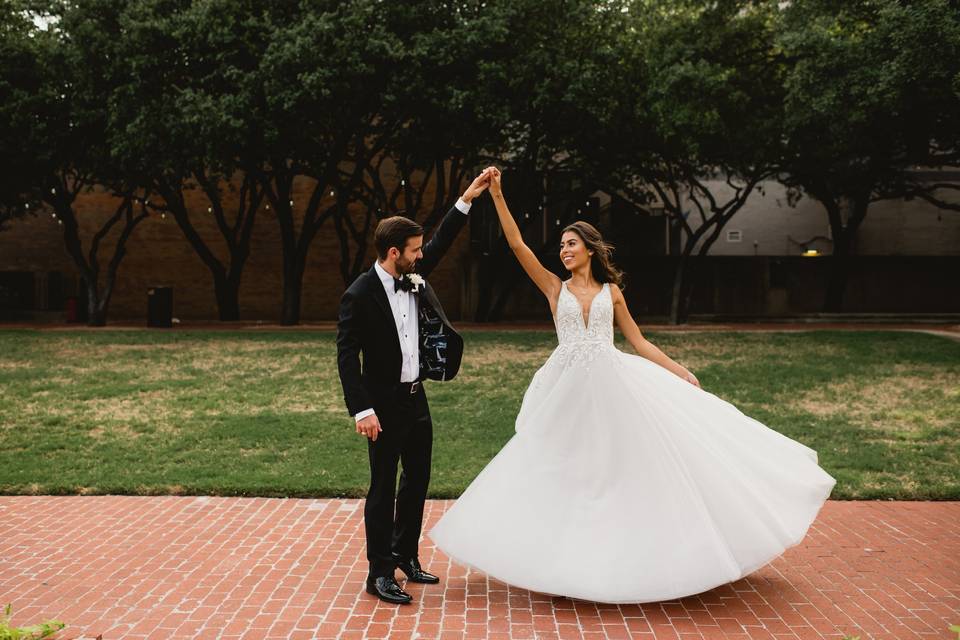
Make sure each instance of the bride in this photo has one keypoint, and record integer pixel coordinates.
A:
(625, 481)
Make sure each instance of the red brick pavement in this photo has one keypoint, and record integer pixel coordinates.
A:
(258, 568)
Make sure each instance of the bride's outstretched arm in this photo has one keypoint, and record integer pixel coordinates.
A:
(641, 345)
(546, 281)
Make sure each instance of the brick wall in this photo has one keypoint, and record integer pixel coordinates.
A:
(158, 254)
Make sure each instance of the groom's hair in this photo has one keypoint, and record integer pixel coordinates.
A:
(393, 232)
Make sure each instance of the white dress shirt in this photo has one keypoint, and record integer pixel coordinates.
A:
(404, 307)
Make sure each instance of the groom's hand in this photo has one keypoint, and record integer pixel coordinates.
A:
(478, 186)
(369, 426)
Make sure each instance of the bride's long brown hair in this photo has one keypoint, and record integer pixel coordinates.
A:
(601, 263)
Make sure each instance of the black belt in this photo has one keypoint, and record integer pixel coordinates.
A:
(409, 387)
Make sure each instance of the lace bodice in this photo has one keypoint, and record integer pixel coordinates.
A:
(571, 329)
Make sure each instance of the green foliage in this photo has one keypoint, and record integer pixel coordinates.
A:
(24, 100)
(646, 99)
(870, 86)
(32, 632)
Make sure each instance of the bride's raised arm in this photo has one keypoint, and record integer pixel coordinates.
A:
(546, 281)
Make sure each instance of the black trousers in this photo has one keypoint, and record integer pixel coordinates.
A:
(406, 438)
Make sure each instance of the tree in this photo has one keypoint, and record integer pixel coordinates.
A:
(871, 93)
(19, 77)
(534, 90)
(323, 77)
(55, 125)
(375, 122)
(697, 107)
(204, 134)
(431, 129)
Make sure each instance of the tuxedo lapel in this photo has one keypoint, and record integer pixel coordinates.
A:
(376, 287)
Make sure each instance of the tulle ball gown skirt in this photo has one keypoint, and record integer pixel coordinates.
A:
(626, 484)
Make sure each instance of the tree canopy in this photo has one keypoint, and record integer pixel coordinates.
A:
(380, 107)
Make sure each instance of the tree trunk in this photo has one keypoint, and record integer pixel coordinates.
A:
(98, 300)
(677, 315)
(226, 278)
(843, 240)
(96, 312)
(227, 291)
(292, 290)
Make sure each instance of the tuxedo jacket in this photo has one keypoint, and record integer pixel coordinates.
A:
(366, 328)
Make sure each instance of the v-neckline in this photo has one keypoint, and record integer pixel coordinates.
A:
(583, 319)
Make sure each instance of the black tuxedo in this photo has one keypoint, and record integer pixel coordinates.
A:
(366, 327)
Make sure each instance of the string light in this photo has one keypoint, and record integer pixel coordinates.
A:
(209, 209)
(291, 203)
(268, 207)
(331, 192)
(163, 216)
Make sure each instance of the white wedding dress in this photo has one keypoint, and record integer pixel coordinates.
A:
(625, 483)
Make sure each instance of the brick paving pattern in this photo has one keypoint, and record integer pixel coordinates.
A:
(258, 568)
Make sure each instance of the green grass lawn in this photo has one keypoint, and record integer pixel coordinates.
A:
(248, 413)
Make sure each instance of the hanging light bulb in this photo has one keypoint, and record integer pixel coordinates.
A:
(268, 207)
(163, 216)
(209, 209)
(291, 203)
(331, 192)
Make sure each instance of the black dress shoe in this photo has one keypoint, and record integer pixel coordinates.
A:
(414, 571)
(387, 589)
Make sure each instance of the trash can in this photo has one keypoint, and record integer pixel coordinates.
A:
(160, 307)
(72, 309)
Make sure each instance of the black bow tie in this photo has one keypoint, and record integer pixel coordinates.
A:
(402, 283)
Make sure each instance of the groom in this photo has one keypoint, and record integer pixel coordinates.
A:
(392, 316)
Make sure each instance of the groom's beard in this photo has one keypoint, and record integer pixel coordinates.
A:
(404, 266)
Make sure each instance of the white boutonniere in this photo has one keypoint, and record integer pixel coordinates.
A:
(416, 280)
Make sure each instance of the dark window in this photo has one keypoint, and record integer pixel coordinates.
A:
(16, 291)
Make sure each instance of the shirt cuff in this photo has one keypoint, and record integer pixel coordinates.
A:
(363, 414)
(464, 207)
